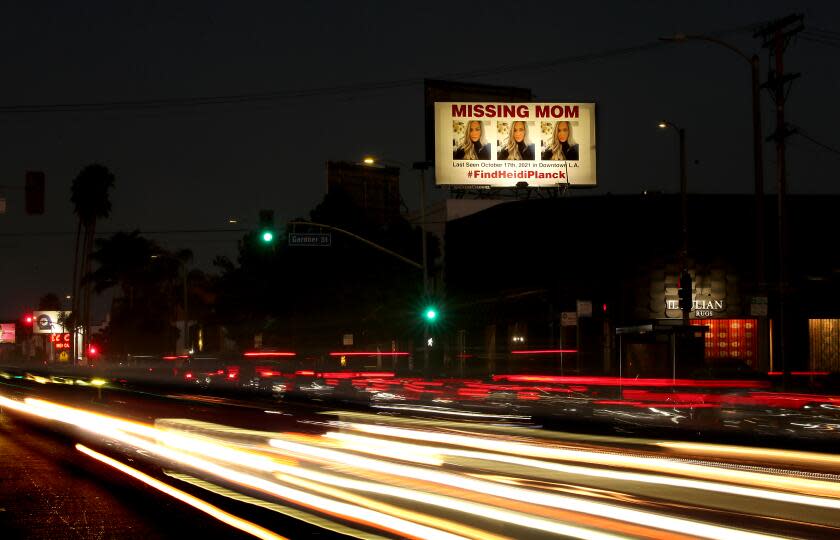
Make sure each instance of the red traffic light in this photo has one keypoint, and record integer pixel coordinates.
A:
(27, 319)
(93, 350)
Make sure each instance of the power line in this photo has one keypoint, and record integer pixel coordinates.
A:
(256, 97)
(108, 233)
(818, 143)
(811, 38)
(824, 31)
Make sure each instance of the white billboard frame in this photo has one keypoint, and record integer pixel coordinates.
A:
(47, 322)
(476, 147)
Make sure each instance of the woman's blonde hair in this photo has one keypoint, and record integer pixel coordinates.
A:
(556, 147)
(467, 145)
(511, 146)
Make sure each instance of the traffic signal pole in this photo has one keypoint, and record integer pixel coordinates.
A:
(360, 239)
(422, 166)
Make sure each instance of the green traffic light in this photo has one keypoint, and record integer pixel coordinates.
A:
(431, 314)
(267, 236)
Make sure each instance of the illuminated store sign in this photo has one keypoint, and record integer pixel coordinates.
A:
(60, 341)
(701, 308)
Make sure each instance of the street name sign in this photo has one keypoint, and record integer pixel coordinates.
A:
(310, 239)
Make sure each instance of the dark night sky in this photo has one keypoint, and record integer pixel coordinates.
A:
(194, 167)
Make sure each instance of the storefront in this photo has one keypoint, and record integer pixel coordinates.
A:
(824, 344)
(625, 253)
(719, 303)
(731, 339)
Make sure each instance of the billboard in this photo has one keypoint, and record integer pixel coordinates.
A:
(7, 333)
(47, 322)
(435, 90)
(480, 144)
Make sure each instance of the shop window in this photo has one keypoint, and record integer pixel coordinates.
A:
(824, 344)
(730, 339)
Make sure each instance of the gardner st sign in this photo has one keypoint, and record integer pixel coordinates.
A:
(310, 239)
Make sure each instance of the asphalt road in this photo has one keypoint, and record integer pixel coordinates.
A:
(317, 469)
(49, 490)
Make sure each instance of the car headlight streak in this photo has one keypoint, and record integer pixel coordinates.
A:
(329, 473)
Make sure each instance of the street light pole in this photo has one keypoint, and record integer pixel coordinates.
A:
(758, 156)
(683, 205)
(421, 166)
(683, 197)
(758, 153)
(758, 161)
(360, 239)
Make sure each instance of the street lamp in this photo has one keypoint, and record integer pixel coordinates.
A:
(758, 160)
(421, 166)
(683, 204)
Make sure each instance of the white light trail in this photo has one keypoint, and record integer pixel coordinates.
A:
(199, 504)
(106, 427)
(519, 494)
(657, 464)
(370, 445)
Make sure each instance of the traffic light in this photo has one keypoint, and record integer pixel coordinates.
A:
(28, 319)
(34, 190)
(430, 314)
(266, 232)
(685, 291)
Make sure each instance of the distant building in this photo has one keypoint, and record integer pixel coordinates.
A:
(375, 189)
(515, 272)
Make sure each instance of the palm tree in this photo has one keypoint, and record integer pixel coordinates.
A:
(91, 201)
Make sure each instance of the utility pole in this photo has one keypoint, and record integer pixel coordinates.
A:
(758, 174)
(760, 285)
(776, 37)
(684, 207)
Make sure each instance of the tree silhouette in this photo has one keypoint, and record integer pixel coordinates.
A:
(304, 297)
(148, 280)
(89, 194)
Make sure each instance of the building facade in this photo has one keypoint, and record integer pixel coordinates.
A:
(517, 272)
(373, 189)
